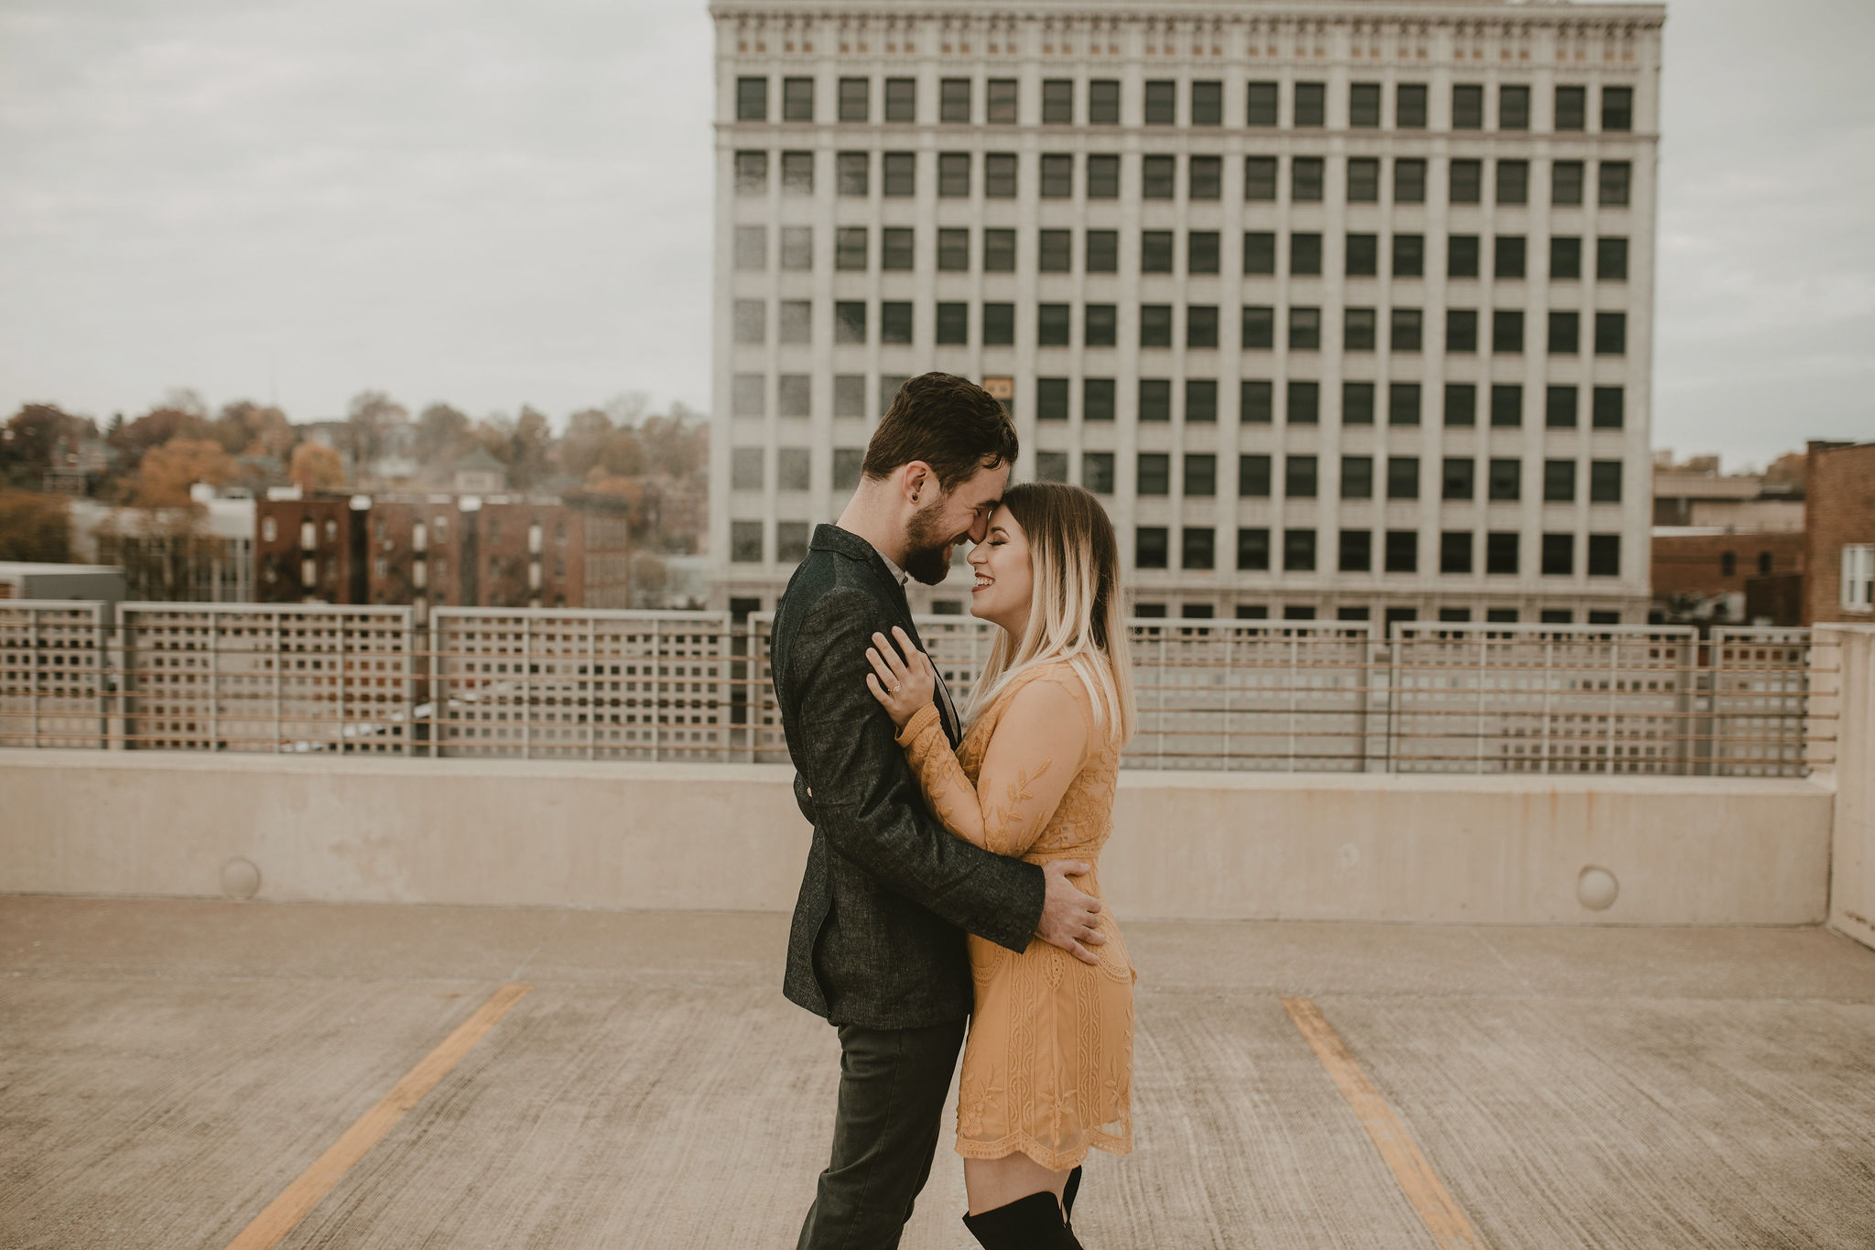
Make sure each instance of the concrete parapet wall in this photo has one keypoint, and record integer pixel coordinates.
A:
(1494, 850)
(1851, 696)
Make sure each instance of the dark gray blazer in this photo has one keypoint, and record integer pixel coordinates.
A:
(878, 936)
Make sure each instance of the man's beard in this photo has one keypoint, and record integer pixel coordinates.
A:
(927, 555)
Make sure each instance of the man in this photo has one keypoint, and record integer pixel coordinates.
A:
(877, 945)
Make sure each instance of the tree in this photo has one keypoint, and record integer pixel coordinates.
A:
(369, 423)
(316, 467)
(246, 428)
(442, 435)
(673, 446)
(33, 436)
(154, 428)
(34, 527)
(586, 434)
(621, 455)
(166, 473)
(532, 441)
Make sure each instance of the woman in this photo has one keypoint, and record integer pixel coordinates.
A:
(1047, 1068)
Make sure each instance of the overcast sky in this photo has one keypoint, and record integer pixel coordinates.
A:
(495, 203)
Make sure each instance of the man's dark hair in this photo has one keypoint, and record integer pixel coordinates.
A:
(950, 423)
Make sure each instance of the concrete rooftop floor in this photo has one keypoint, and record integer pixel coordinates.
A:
(167, 1068)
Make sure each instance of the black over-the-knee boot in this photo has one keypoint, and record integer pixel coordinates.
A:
(1067, 1198)
(1031, 1223)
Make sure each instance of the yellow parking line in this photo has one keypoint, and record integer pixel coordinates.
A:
(299, 1198)
(1437, 1209)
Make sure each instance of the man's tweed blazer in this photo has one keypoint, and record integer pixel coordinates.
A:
(878, 935)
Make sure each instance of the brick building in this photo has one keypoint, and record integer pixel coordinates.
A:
(1839, 557)
(1709, 575)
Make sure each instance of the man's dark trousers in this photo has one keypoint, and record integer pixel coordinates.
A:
(893, 1083)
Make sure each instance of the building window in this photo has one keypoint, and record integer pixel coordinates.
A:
(1149, 547)
(1507, 255)
(1155, 251)
(953, 250)
(1363, 180)
(1103, 251)
(1052, 325)
(1097, 399)
(1409, 107)
(1728, 564)
(1405, 330)
(1357, 403)
(1058, 102)
(1409, 181)
(1617, 108)
(1604, 555)
(1260, 104)
(953, 324)
(1057, 176)
(1298, 551)
(1764, 564)
(794, 395)
(999, 251)
(1207, 105)
(953, 175)
(751, 321)
(1305, 179)
(850, 248)
(1500, 553)
(855, 99)
(1160, 177)
(1513, 108)
(1103, 177)
(954, 100)
(901, 100)
(1304, 402)
(1565, 333)
(1565, 258)
(1467, 182)
(751, 247)
(1259, 327)
(1468, 106)
(792, 469)
(1565, 183)
(1614, 178)
(1357, 477)
(1605, 484)
(999, 175)
(849, 395)
(1558, 555)
(1198, 548)
(1253, 477)
(1507, 332)
(900, 174)
(1103, 102)
(1858, 577)
(1155, 399)
(1299, 477)
(1611, 260)
(896, 251)
(1559, 481)
(1461, 403)
(1505, 481)
(1256, 401)
(1356, 554)
(797, 99)
(1097, 471)
(1402, 551)
(751, 99)
(1155, 325)
(1055, 251)
(1253, 550)
(1559, 406)
(1201, 251)
(1305, 329)
(797, 248)
(1461, 256)
(1357, 330)
(1572, 108)
(1611, 334)
(1051, 466)
(1200, 474)
(1201, 401)
(895, 322)
(1363, 255)
(1311, 104)
(1051, 399)
(999, 325)
(849, 321)
(745, 542)
(1513, 182)
(1608, 410)
(889, 387)
(1000, 101)
(1409, 255)
(790, 542)
(1305, 254)
(1100, 325)
(751, 173)
(1455, 548)
(1205, 178)
(794, 321)
(1259, 178)
(1459, 479)
(1402, 477)
(1364, 105)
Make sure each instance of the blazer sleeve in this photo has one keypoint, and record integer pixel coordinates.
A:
(866, 801)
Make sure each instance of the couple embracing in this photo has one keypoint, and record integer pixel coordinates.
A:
(951, 874)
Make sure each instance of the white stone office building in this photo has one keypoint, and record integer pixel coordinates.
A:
(1344, 309)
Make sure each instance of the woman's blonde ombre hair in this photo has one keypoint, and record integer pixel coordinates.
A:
(1074, 608)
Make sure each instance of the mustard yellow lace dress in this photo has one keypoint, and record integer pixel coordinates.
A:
(1048, 1065)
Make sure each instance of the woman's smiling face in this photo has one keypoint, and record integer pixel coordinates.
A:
(1005, 578)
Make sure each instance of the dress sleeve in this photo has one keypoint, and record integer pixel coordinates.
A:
(1034, 753)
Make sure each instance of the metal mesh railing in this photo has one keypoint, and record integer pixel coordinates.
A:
(683, 686)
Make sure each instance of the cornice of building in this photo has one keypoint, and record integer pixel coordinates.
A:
(1442, 12)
